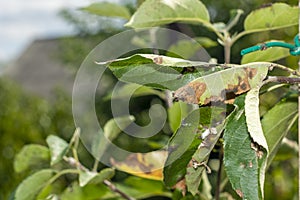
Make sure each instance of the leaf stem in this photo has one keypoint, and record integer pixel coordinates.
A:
(113, 188)
(219, 178)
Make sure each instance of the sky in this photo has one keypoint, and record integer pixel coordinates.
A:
(23, 21)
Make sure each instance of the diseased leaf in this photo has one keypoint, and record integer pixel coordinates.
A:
(276, 123)
(31, 186)
(244, 161)
(159, 71)
(210, 135)
(268, 55)
(32, 156)
(156, 12)
(216, 86)
(181, 147)
(108, 9)
(279, 15)
(139, 59)
(146, 165)
(111, 130)
(193, 178)
(58, 148)
(88, 177)
(141, 188)
(253, 117)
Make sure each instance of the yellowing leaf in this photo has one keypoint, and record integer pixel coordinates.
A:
(147, 165)
(216, 86)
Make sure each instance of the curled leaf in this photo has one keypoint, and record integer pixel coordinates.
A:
(253, 117)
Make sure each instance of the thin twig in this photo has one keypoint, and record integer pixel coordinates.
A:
(281, 79)
(219, 178)
(113, 188)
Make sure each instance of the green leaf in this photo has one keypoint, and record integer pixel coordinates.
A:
(155, 13)
(279, 15)
(88, 192)
(276, 123)
(181, 147)
(88, 177)
(31, 186)
(141, 188)
(108, 10)
(188, 48)
(244, 162)
(32, 156)
(111, 130)
(176, 113)
(268, 55)
(253, 117)
(126, 91)
(214, 86)
(58, 148)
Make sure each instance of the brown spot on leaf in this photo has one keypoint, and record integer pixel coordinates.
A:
(239, 192)
(251, 72)
(181, 186)
(158, 60)
(250, 164)
(242, 86)
(191, 93)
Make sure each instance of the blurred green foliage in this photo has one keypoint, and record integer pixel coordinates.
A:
(25, 119)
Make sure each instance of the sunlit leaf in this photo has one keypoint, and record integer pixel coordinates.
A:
(88, 177)
(268, 55)
(58, 148)
(156, 12)
(145, 165)
(141, 188)
(108, 9)
(279, 15)
(276, 123)
(32, 156)
(31, 186)
(243, 160)
(253, 117)
(215, 86)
